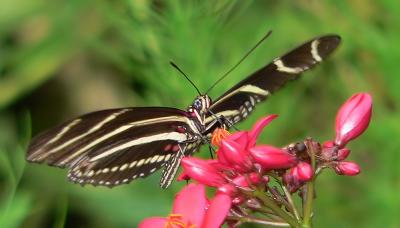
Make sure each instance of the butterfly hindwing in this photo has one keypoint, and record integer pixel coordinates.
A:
(125, 165)
(172, 166)
(108, 141)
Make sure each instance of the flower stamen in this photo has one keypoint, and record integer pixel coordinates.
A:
(176, 221)
(218, 135)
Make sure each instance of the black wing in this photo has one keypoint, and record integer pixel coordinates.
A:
(240, 100)
(112, 147)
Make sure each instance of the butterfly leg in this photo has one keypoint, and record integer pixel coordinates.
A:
(211, 149)
(228, 123)
(222, 120)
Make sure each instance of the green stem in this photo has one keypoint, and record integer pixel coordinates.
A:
(265, 210)
(250, 219)
(307, 207)
(291, 202)
(308, 204)
(271, 204)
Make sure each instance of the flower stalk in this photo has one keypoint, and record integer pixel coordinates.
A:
(307, 211)
(275, 208)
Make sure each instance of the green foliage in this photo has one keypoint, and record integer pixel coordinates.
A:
(60, 58)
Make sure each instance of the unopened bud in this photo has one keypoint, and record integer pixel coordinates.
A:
(347, 168)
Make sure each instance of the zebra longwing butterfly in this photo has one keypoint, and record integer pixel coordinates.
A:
(116, 146)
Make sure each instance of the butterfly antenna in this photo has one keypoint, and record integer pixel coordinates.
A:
(241, 60)
(187, 78)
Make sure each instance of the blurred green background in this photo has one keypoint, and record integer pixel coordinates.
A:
(59, 59)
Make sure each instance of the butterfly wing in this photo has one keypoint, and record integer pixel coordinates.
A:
(239, 101)
(112, 147)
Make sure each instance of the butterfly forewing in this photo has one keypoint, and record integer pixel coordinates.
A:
(240, 100)
(118, 145)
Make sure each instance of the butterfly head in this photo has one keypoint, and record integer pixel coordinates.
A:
(199, 107)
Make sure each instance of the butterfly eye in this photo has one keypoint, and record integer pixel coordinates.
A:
(197, 104)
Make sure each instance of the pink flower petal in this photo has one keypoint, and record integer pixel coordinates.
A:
(217, 212)
(240, 137)
(202, 171)
(221, 157)
(218, 165)
(270, 157)
(258, 127)
(191, 202)
(153, 222)
(235, 154)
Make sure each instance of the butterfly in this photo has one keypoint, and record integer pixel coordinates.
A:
(115, 146)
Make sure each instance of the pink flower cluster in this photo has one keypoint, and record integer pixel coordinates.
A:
(240, 162)
(242, 168)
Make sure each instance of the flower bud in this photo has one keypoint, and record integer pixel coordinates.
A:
(238, 200)
(227, 189)
(353, 118)
(202, 171)
(241, 181)
(328, 144)
(343, 154)
(347, 168)
(247, 179)
(253, 203)
(303, 171)
(291, 181)
(270, 157)
(255, 178)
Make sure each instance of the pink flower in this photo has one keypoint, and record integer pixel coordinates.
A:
(347, 168)
(270, 157)
(191, 209)
(353, 118)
